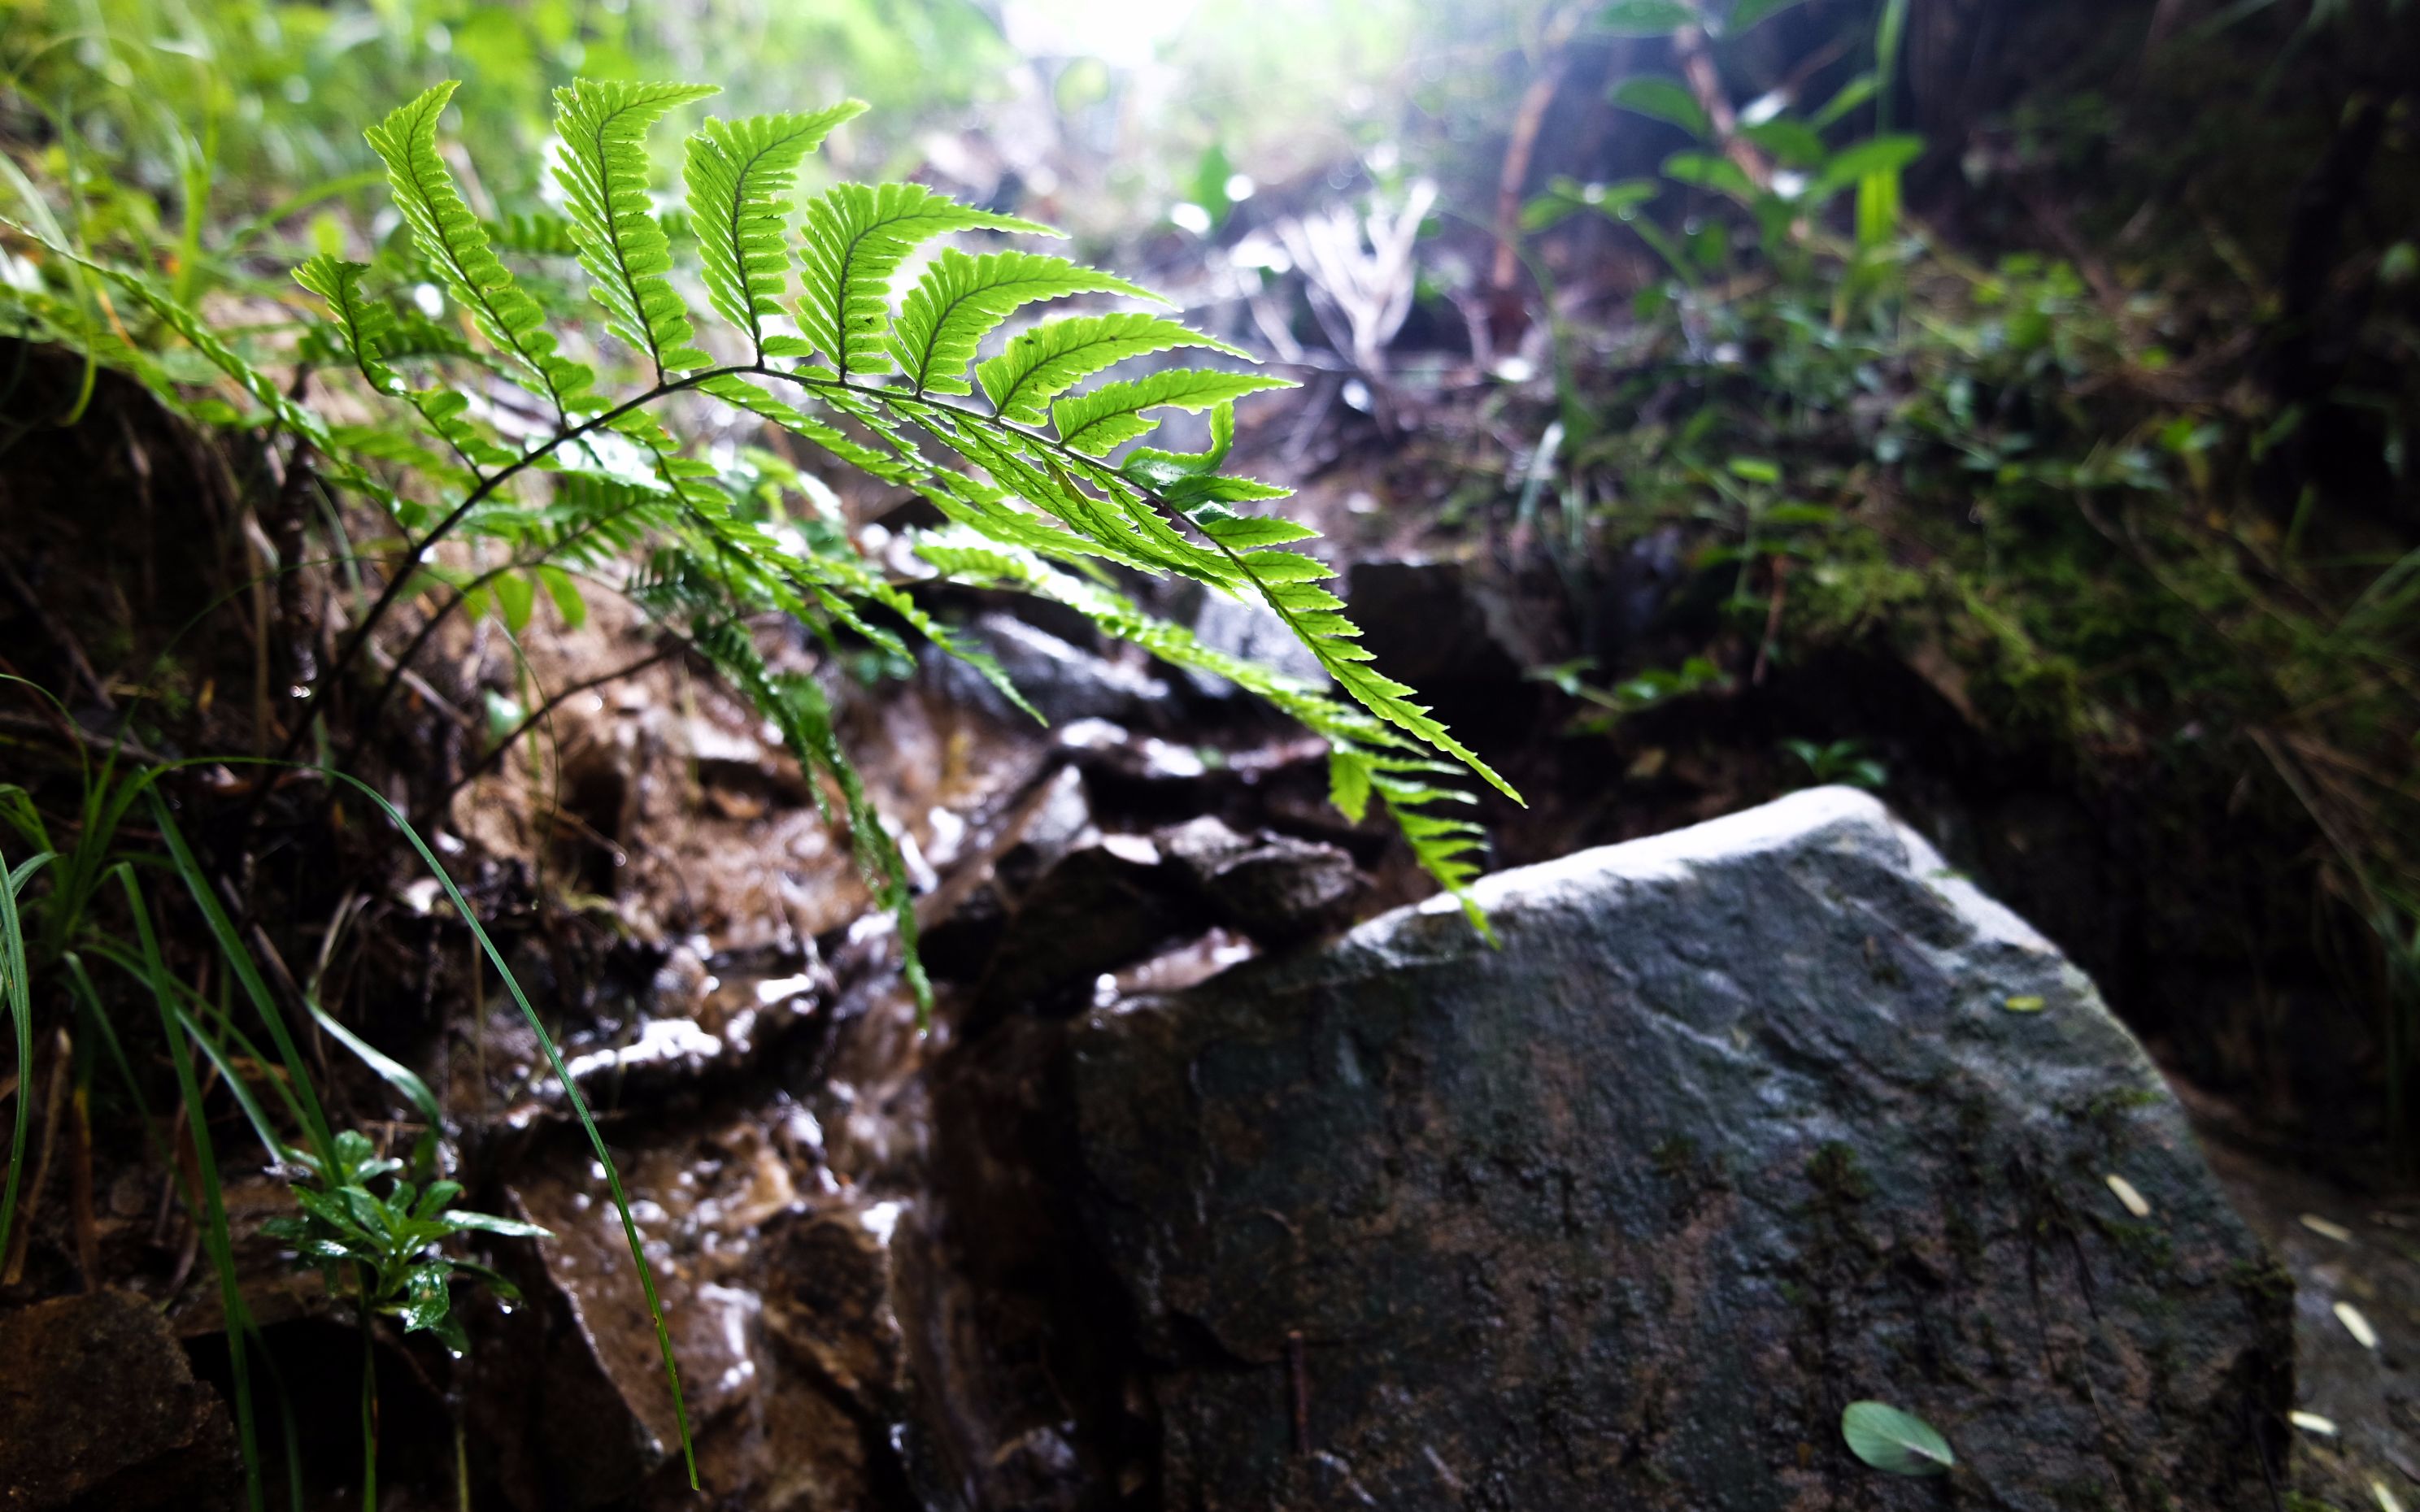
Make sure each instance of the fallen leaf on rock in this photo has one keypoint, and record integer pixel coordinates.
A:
(2135, 1202)
(2356, 1325)
(2313, 1423)
(2025, 1003)
(2327, 1230)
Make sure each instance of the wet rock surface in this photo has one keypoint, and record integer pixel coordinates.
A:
(1272, 887)
(101, 1412)
(1742, 1124)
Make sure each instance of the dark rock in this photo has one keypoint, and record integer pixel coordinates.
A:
(1254, 632)
(828, 1300)
(1430, 626)
(99, 1410)
(1739, 1126)
(781, 1313)
(1274, 888)
(962, 920)
(1061, 681)
(1098, 906)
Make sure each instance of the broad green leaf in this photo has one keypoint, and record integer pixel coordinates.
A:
(1712, 170)
(487, 1222)
(515, 597)
(960, 298)
(1891, 1440)
(426, 1299)
(1747, 13)
(1863, 160)
(1665, 99)
(1041, 363)
(1790, 142)
(566, 593)
(1645, 18)
(854, 239)
(738, 175)
(604, 172)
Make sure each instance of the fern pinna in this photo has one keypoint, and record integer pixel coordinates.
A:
(1026, 469)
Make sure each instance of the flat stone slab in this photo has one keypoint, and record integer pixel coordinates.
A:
(1741, 1123)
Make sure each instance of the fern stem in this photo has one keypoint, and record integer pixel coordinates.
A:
(368, 719)
(427, 543)
(556, 700)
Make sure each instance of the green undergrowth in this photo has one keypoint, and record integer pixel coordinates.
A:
(2065, 492)
(508, 415)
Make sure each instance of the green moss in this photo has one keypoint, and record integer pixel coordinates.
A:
(2263, 1279)
(1675, 1157)
(2148, 1246)
(1839, 1175)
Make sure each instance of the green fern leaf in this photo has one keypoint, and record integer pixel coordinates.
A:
(455, 243)
(1040, 365)
(798, 708)
(740, 174)
(533, 234)
(1098, 421)
(364, 322)
(855, 238)
(603, 170)
(960, 298)
(735, 390)
(1363, 755)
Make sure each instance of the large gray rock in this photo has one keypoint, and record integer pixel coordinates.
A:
(1742, 1124)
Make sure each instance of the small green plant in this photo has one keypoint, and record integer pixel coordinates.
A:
(1839, 760)
(385, 1251)
(1633, 694)
(1898, 1443)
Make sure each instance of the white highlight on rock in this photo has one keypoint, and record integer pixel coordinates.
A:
(2356, 1325)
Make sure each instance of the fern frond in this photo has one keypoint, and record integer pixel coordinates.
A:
(854, 239)
(364, 322)
(798, 708)
(533, 234)
(1040, 365)
(603, 170)
(368, 330)
(735, 390)
(738, 174)
(851, 574)
(959, 299)
(1098, 421)
(456, 244)
(1364, 756)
